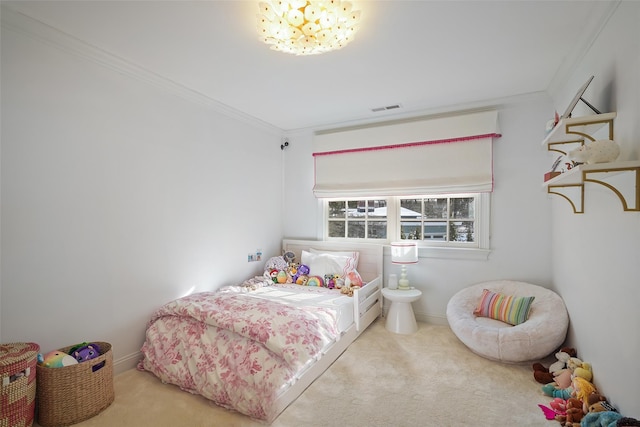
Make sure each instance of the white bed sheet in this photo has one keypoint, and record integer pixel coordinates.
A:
(301, 296)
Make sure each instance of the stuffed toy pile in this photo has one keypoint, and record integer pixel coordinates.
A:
(576, 401)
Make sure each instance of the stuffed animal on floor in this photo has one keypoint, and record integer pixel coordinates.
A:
(601, 419)
(581, 390)
(552, 391)
(547, 375)
(572, 414)
(580, 369)
(598, 403)
(628, 422)
(559, 405)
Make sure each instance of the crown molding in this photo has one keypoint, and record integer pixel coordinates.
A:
(35, 29)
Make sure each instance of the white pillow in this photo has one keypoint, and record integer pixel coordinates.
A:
(351, 254)
(323, 264)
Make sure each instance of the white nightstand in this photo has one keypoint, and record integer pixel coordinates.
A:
(400, 318)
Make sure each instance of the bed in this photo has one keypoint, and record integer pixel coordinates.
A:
(255, 347)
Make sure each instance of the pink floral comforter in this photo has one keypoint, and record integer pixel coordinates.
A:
(238, 351)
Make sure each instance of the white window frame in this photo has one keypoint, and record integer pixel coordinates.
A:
(480, 249)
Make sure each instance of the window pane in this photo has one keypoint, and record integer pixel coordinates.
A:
(435, 231)
(336, 228)
(377, 230)
(336, 209)
(462, 207)
(353, 207)
(356, 229)
(377, 209)
(435, 208)
(410, 230)
(464, 231)
(410, 208)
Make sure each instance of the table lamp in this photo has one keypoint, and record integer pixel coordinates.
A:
(404, 253)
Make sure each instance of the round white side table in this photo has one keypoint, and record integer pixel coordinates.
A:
(400, 318)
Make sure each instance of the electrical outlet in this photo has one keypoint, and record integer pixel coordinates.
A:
(255, 256)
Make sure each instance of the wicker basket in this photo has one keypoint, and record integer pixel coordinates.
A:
(75, 393)
(18, 382)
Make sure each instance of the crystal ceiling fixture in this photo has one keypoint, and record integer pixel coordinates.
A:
(305, 27)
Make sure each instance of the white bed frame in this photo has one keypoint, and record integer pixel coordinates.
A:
(367, 303)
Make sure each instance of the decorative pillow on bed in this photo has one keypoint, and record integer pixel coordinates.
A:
(506, 308)
(324, 264)
(351, 254)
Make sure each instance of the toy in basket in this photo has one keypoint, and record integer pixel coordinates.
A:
(18, 384)
(77, 392)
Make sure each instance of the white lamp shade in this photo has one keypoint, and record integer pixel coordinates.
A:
(405, 252)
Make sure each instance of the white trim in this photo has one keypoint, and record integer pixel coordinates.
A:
(127, 362)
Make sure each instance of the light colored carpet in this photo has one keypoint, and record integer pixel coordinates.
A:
(383, 379)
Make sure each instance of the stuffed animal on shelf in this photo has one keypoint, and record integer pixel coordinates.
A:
(599, 151)
(57, 359)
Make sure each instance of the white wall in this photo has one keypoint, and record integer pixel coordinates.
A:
(596, 255)
(118, 196)
(519, 232)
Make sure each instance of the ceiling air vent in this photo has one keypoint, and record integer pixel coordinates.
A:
(388, 107)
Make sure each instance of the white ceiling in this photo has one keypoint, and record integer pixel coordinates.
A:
(423, 55)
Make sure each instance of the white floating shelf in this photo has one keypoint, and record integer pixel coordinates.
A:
(578, 127)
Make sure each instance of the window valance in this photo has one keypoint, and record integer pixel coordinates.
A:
(450, 154)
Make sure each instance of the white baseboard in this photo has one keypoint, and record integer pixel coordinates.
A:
(431, 319)
(127, 362)
(424, 317)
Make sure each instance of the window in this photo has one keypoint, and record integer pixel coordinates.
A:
(357, 219)
(459, 220)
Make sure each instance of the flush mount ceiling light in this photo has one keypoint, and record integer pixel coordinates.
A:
(305, 27)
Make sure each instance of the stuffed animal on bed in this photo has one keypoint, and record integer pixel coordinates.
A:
(276, 263)
(302, 270)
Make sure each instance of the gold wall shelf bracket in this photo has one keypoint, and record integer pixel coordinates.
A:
(584, 130)
(573, 193)
(630, 178)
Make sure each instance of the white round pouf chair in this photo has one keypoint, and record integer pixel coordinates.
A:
(540, 335)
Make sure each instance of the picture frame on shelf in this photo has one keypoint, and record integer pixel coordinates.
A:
(577, 98)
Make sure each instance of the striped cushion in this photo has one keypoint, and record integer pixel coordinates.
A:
(506, 308)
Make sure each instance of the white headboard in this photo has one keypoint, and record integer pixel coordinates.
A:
(369, 263)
